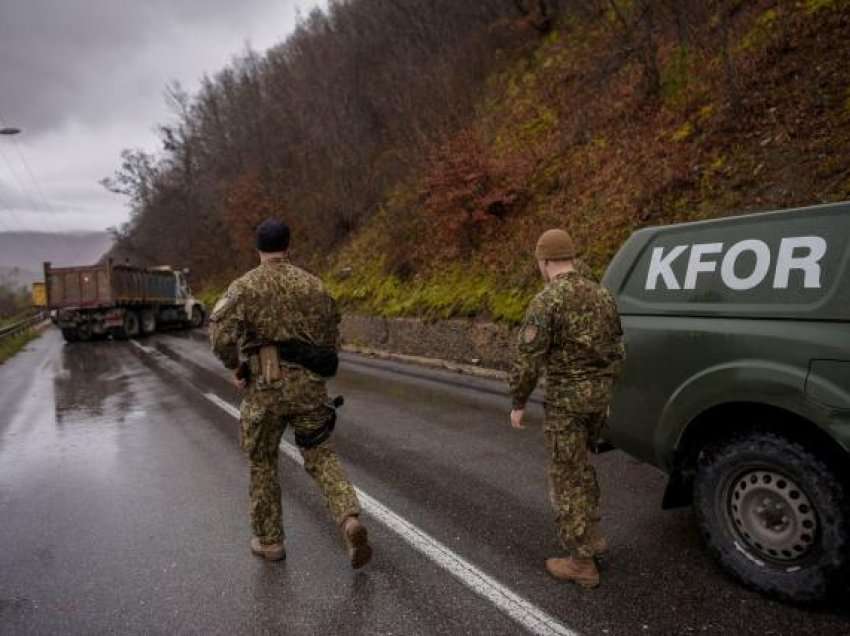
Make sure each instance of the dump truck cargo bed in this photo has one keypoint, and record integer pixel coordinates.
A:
(105, 285)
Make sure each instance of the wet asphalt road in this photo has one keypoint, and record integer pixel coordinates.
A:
(123, 510)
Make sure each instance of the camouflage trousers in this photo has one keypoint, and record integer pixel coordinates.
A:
(573, 488)
(264, 419)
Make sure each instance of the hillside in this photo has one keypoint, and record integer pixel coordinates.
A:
(552, 145)
(421, 193)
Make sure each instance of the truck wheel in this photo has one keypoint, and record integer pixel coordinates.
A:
(197, 320)
(130, 328)
(775, 515)
(84, 332)
(148, 325)
(70, 335)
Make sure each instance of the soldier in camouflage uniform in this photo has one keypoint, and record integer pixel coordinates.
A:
(572, 331)
(275, 303)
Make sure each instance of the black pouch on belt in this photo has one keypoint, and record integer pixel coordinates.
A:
(322, 361)
(316, 437)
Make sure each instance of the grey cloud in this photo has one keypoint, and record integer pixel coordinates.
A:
(11, 197)
(85, 60)
(85, 79)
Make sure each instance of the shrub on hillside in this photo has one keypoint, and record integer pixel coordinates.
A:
(467, 189)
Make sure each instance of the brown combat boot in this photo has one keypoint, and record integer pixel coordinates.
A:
(270, 552)
(356, 541)
(583, 572)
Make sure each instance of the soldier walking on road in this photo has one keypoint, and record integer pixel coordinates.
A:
(572, 331)
(278, 330)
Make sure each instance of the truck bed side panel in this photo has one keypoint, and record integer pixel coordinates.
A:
(79, 287)
(104, 286)
(134, 286)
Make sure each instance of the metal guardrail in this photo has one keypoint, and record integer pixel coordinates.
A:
(22, 325)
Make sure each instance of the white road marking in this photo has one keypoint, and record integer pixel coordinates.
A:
(531, 617)
(148, 350)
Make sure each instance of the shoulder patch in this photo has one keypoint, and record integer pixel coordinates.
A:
(221, 305)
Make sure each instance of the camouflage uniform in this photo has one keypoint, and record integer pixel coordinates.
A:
(572, 330)
(273, 303)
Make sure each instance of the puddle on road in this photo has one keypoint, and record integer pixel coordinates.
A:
(74, 414)
(90, 384)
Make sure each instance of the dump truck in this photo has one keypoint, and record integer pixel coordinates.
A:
(737, 384)
(120, 301)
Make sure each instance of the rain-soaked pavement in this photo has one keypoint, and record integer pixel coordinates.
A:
(123, 510)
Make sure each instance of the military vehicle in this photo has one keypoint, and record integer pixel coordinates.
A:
(119, 300)
(737, 384)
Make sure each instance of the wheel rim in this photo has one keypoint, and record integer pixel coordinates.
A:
(131, 324)
(772, 515)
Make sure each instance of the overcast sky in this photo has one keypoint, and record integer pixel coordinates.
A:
(84, 79)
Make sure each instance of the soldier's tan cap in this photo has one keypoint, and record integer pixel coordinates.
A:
(555, 245)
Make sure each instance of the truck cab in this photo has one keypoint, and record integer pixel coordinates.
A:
(737, 384)
(190, 307)
(183, 290)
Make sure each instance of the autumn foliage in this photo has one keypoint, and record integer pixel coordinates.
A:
(246, 205)
(467, 189)
(320, 127)
(421, 146)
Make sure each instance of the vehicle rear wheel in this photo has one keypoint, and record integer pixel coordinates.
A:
(148, 325)
(84, 332)
(70, 335)
(131, 327)
(775, 515)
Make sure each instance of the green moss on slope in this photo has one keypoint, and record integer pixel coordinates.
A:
(454, 292)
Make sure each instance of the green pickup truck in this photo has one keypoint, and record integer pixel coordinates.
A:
(737, 384)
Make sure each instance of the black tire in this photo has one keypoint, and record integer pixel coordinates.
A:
(84, 332)
(197, 319)
(148, 322)
(70, 335)
(131, 327)
(775, 515)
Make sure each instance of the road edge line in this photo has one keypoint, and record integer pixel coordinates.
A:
(523, 612)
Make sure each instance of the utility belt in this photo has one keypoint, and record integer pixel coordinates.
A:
(265, 363)
(322, 361)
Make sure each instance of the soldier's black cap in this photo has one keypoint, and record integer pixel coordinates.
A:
(273, 236)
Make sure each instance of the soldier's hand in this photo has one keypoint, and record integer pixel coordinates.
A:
(516, 418)
(239, 383)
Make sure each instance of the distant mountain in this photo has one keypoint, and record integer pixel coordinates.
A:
(11, 277)
(27, 251)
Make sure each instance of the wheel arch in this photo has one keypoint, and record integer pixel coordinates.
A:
(735, 418)
(200, 306)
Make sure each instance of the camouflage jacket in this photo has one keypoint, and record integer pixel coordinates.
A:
(274, 302)
(572, 331)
